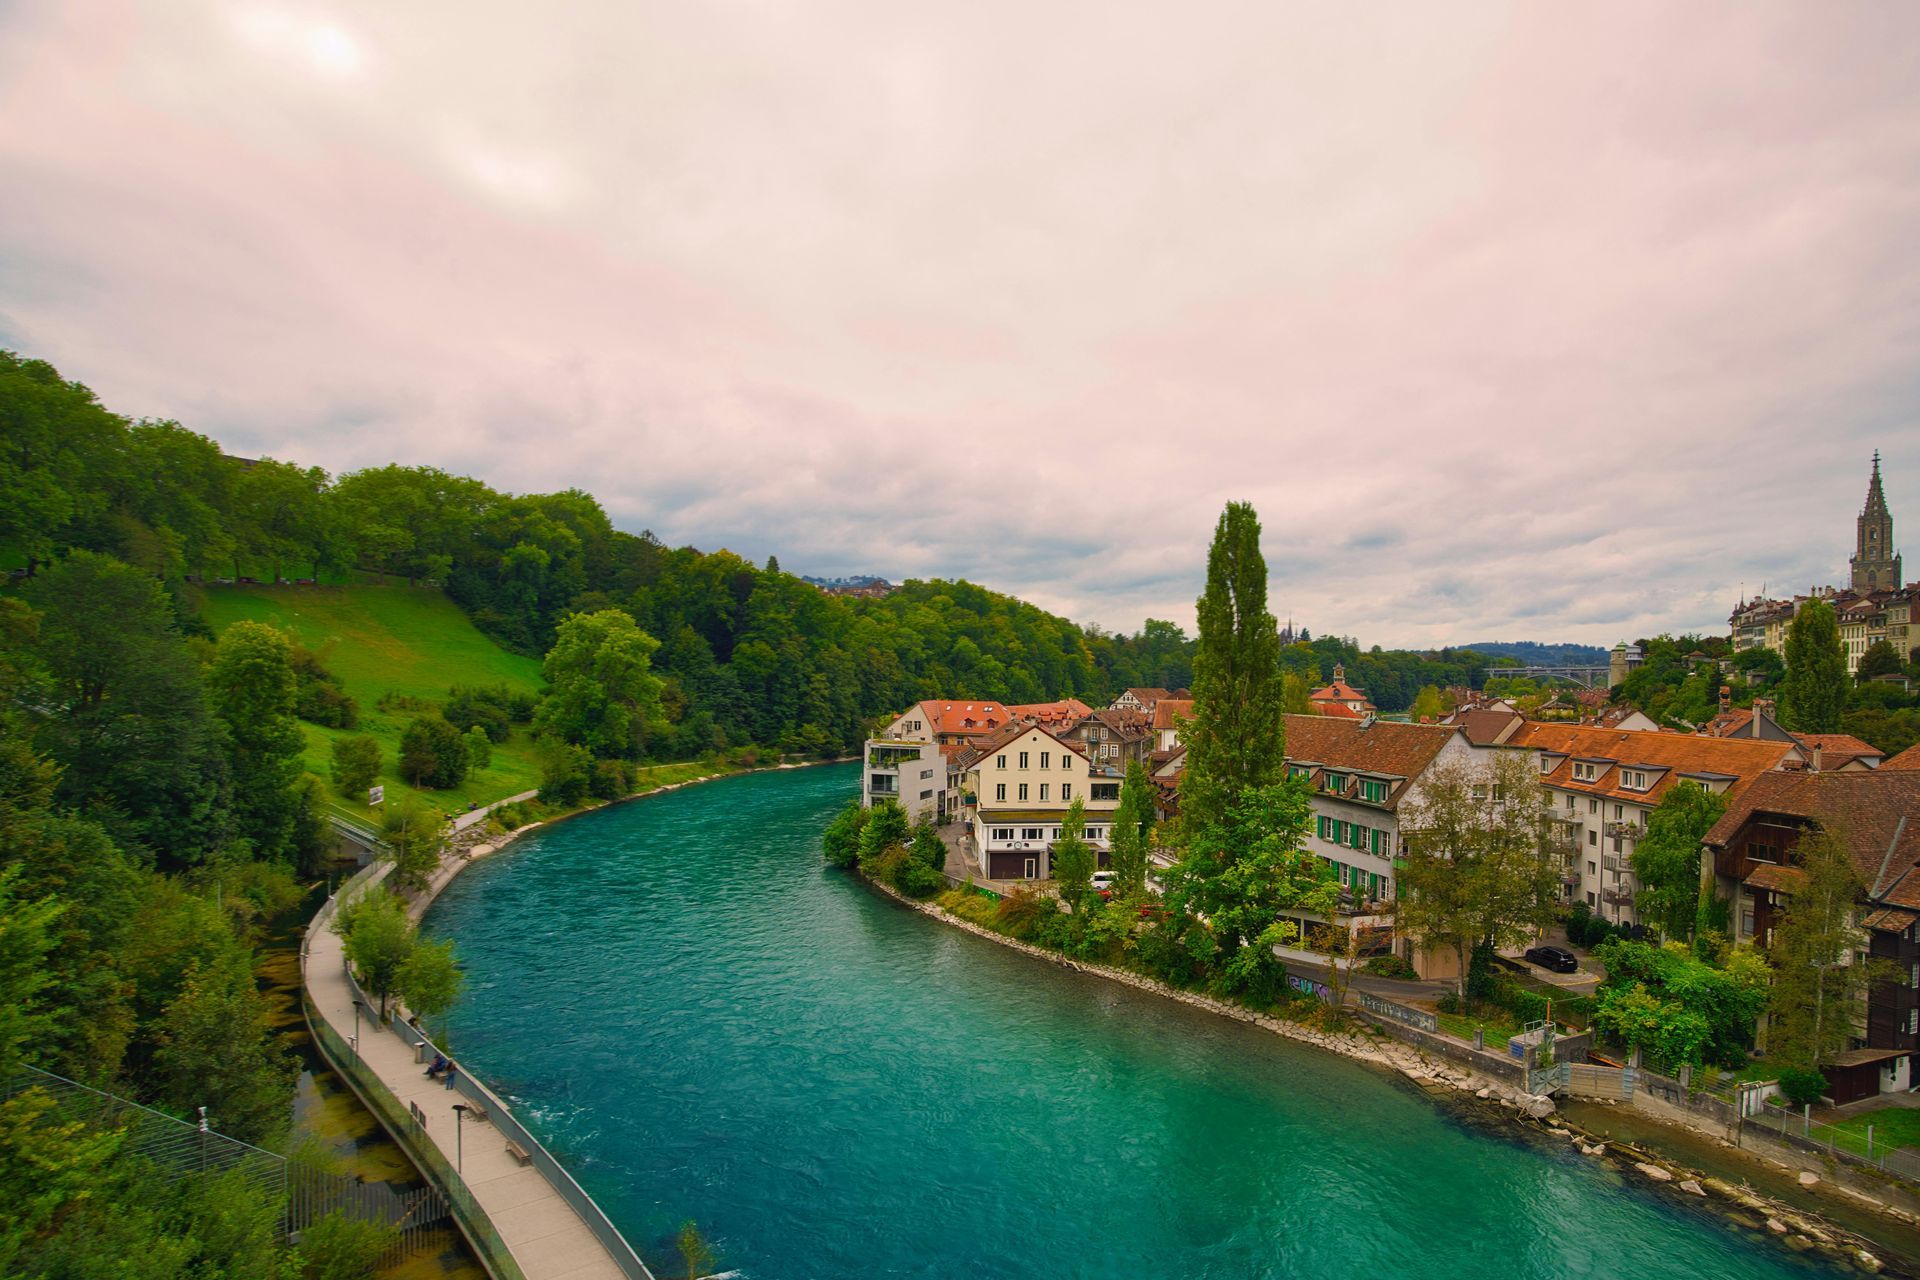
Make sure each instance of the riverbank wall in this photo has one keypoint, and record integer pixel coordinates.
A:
(1501, 1083)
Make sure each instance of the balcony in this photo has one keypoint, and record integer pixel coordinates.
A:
(1618, 863)
(1625, 830)
(1619, 896)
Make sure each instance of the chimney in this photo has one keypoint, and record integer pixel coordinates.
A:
(1726, 699)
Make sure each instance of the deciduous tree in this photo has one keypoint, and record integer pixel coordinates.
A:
(1666, 860)
(429, 980)
(1073, 858)
(252, 687)
(356, 763)
(1816, 978)
(1814, 693)
(433, 753)
(602, 693)
(1476, 869)
(378, 937)
(1132, 833)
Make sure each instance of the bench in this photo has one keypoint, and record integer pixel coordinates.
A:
(519, 1154)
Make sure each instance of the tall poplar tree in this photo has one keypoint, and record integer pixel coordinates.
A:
(1815, 690)
(1132, 827)
(1236, 738)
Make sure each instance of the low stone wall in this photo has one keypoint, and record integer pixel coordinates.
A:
(1502, 1067)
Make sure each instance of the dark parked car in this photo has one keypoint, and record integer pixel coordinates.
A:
(1558, 959)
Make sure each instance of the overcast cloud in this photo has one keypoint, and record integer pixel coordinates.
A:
(1514, 322)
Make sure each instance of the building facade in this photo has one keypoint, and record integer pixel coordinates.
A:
(1752, 855)
(1603, 784)
(1016, 788)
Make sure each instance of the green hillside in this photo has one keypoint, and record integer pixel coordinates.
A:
(379, 640)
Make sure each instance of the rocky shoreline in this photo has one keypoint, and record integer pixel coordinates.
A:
(1796, 1230)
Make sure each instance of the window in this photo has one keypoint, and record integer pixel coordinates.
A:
(1546, 764)
(1326, 826)
(1023, 791)
(1593, 806)
(1582, 773)
(1377, 842)
(1066, 791)
(1589, 897)
(925, 774)
(1032, 833)
(999, 791)
(1618, 813)
(1003, 833)
(927, 794)
(1096, 833)
(1046, 759)
(1593, 837)
(1336, 782)
(1000, 762)
(1043, 790)
(1359, 836)
(1569, 804)
(1106, 791)
(1375, 792)
(1340, 832)
(1023, 759)
(1593, 868)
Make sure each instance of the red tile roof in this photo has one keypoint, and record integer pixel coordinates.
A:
(1336, 710)
(1065, 711)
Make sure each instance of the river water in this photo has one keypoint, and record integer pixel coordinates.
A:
(704, 1023)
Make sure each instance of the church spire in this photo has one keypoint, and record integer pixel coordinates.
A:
(1875, 563)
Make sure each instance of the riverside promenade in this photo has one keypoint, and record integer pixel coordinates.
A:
(548, 1239)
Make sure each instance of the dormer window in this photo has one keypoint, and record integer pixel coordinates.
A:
(1633, 779)
(1583, 772)
(1336, 783)
(1373, 792)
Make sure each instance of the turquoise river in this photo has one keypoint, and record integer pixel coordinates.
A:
(704, 1023)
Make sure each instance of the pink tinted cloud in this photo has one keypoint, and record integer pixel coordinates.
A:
(1512, 321)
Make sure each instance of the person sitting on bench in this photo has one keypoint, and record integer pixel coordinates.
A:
(439, 1065)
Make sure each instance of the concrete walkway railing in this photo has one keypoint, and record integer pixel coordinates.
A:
(526, 1220)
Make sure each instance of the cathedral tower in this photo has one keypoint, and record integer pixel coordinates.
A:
(1876, 565)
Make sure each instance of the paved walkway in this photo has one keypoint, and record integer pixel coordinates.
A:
(546, 1237)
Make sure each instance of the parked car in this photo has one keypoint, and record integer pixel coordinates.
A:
(1103, 883)
(1555, 959)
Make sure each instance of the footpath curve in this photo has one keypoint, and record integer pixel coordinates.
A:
(529, 1213)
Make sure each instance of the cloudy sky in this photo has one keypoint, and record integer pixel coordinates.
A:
(1513, 321)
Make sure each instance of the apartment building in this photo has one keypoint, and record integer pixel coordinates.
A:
(1016, 788)
(1603, 784)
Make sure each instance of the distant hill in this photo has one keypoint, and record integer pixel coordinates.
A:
(1532, 653)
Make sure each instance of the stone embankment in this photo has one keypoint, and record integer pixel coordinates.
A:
(1795, 1229)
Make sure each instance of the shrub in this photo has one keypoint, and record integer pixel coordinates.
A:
(916, 879)
(493, 709)
(318, 696)
(1022, 911)
(565, 773)
(840, 842)
(612, 779)
(341, 1248)
(1802, 1087)
(1390, 966)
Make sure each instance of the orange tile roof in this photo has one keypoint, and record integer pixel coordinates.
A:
(1336, 710)
(1169, 712)
(1052, 712)
(1837, 749)
(1674, 754)
(949, 716)
(1908, 759)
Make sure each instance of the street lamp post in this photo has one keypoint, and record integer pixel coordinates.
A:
(355, 1042)
(460, 1110)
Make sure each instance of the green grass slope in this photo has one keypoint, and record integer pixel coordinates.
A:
(411, 641)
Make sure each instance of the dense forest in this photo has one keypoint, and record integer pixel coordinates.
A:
(747, 654)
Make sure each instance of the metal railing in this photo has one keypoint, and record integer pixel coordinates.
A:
(1902, 1162)
(473, 1220)
(502, 1119)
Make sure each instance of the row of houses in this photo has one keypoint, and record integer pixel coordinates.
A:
(1001, 778)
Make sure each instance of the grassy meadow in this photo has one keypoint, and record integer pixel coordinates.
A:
(410, 641)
